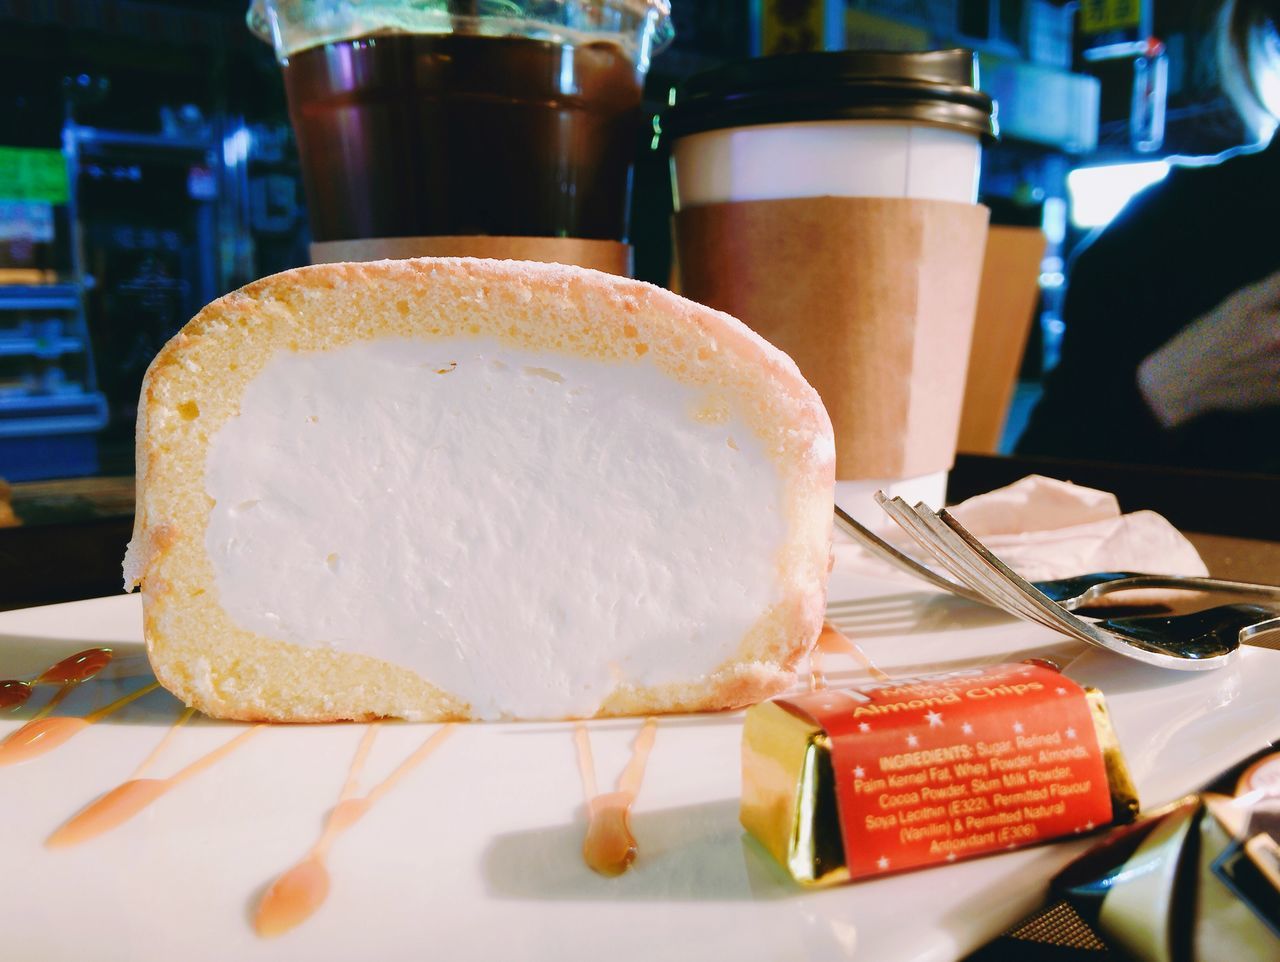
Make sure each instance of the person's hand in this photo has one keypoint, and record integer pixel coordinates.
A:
(1225, 360)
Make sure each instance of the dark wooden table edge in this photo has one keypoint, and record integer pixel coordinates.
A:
(1209, 502)
(67, 561)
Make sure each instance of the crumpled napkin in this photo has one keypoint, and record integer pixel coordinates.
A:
(1043, 528)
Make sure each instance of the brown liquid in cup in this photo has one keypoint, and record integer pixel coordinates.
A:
(407, 135)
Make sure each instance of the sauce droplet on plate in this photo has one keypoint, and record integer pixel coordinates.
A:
(14, 693)
(129, 798)
(296, 894)
(72, 670)
(610, 848)
(292, 898)
(112, 809)
(37, 737)
(42, 735)
(79, 667)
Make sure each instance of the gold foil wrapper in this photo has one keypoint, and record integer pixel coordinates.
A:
(1124, 794)
(789, 795)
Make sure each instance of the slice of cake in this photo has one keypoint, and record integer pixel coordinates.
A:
(452, 488)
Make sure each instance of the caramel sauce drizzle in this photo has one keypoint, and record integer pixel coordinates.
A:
(129, 798)
(817, 676)
(163, 743)
(68, 673)
(14, 693)
(833, 641)
(609, 847)
(295, 896)
(43, 734)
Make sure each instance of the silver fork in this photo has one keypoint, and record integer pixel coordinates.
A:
(969, 562)
(1232, 625)
(1071, 593)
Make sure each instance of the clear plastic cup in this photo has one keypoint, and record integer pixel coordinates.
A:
(516, 119)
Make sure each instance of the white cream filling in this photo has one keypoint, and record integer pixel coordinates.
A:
(524, 530)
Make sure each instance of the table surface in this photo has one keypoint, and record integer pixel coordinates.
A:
(1239, 559)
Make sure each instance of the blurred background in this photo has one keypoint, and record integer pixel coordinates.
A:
(147, 166)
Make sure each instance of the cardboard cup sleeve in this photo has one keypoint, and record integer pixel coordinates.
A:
(873, 297)
(612, 257)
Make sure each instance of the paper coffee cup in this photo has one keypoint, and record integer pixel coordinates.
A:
(828, 200)
(841, 158)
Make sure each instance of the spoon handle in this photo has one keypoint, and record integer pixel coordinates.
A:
(1081, 589)
(1204, 634)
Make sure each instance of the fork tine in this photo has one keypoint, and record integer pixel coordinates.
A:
(968, 559)
(954, 533)
(887, 552)
(976, 573)
(1011, 585)
(914, 523)
(1063, 619)
(906, 519)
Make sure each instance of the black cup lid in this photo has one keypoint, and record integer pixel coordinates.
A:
(937, 87)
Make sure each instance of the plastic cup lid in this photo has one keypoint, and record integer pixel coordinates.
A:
(642, 27)
(936, 87)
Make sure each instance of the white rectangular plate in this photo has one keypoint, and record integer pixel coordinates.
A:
(476, 853)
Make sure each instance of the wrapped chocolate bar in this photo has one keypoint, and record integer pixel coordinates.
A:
(843, 784)
(1198, 879)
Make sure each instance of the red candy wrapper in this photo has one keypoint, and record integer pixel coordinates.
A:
(843, 784)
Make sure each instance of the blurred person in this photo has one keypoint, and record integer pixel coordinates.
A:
(1171, 353)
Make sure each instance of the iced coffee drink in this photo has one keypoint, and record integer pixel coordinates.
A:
(422, 126)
